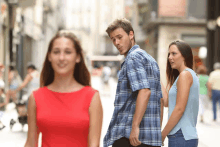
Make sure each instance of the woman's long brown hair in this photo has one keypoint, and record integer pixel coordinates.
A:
(186, 52)
(81, 73)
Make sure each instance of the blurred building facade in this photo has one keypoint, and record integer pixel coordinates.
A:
(169, 20)
(135, 11)
(89, 19)
(213, 32)
(26, 28)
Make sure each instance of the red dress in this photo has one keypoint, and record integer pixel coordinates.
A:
(63, 118)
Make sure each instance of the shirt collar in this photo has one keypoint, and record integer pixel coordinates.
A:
(131, 50)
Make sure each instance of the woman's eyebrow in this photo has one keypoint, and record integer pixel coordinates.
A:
(55, 48)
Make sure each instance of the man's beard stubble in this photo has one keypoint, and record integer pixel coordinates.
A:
(129, 47)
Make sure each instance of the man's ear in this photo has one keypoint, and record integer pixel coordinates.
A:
(131, 35)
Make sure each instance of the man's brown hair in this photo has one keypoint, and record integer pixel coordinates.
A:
(120, 23)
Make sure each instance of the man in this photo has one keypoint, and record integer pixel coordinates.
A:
(214, 87)
(136, 120)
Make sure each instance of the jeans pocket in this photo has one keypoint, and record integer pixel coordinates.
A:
(171, 141)
(192, 143)
(171, 136)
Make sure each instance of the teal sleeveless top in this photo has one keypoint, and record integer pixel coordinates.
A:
(188, 121)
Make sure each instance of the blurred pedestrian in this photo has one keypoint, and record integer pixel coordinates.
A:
(106, 73)
(214, 87)
(2, 105)
(14, 81)
(183, 85)
(2, 100)
(203, 79)
(66, 110)
(32, 80)
(138, 95)
(2, 83)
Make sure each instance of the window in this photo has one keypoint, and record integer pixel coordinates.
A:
(197, 9)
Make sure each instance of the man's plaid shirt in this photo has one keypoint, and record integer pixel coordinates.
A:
(138, 71)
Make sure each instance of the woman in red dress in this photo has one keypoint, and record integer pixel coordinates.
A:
(65, 109)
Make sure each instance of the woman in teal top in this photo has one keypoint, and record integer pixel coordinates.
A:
(183, 85)
(203, 79)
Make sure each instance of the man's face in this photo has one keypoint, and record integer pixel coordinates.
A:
(122, 41)
(29, 70)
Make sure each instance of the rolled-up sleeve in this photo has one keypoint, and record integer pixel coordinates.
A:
(137, 74)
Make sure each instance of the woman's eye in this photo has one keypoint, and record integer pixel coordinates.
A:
(68, 52)
(55, 52)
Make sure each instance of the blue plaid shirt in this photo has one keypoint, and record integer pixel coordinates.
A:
(138, 71)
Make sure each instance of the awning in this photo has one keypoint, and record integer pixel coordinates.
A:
(22, 3)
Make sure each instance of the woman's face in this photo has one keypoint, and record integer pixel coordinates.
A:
(176, 59)
(63, 56)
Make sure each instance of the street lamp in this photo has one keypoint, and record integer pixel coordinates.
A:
(211, 24)
(202, 52)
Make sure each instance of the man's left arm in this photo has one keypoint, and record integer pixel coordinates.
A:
(137, 76)
(141, 106)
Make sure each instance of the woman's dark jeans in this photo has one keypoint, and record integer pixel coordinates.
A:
(177, 140)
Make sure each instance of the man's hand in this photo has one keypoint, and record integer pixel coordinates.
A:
(134, 136)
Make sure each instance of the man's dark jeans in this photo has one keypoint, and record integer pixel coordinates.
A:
(124, 142)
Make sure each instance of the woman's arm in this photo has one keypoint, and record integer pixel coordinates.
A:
(183, 88)
(33, 131)
(209, 86)
(161, 111)
(165, 95)
(10, 76)
(27, 79)
(96, 115)
(7, 96)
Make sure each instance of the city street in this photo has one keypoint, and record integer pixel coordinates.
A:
(208, 131)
